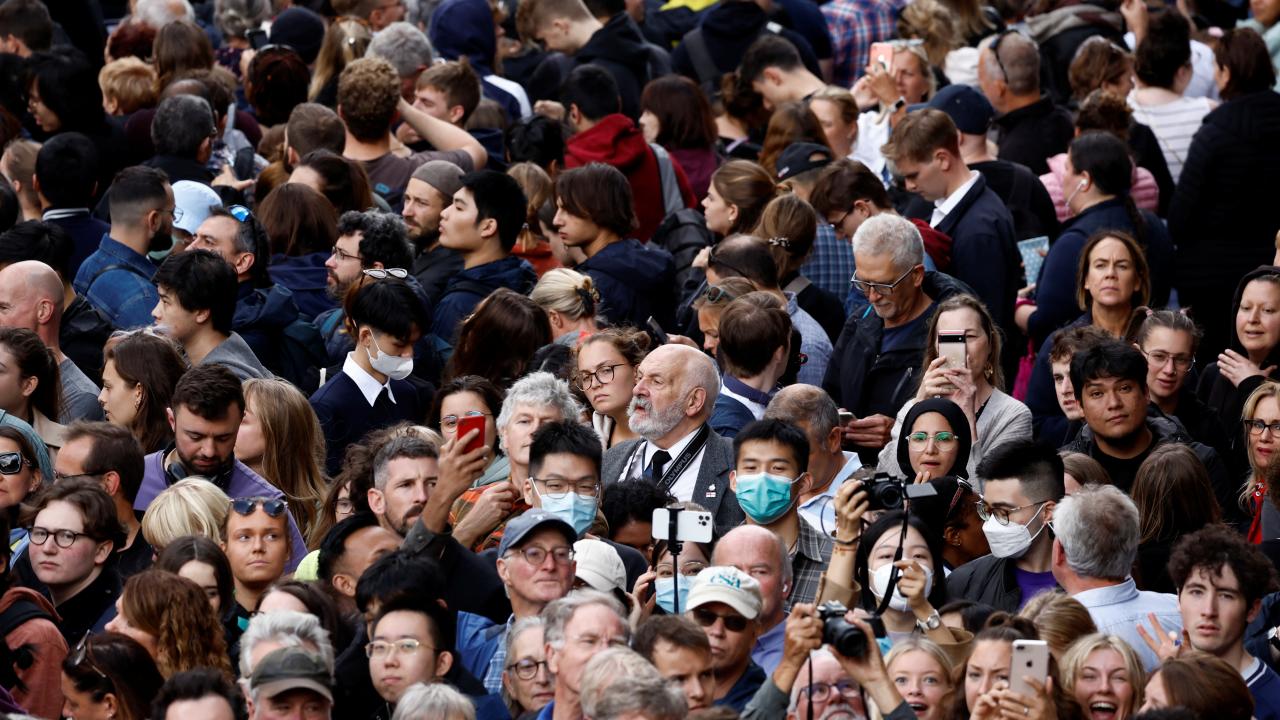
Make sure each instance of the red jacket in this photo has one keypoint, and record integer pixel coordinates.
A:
(616, 141)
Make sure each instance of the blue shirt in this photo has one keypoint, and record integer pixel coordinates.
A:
(814, 343)
(1120, 609)
(117, 280)
(482, 648)
(742, 691)
(767, 652)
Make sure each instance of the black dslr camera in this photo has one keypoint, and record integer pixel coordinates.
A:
(886, 492)
(844, 636)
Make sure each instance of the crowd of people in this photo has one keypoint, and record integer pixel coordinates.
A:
(614, 360)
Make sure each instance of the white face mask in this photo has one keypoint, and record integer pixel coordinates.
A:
(1012, 540)
(1072, 212)
(393, 366)
(880, 580)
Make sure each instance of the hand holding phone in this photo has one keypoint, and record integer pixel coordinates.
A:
(882, 55)
(466, 425)
(953, 349)
(1030, 659)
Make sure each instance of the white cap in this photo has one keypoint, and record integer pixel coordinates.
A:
(599, 565)
(728, 585)
(194, 200)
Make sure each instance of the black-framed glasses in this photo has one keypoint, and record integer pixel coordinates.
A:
(942, 438)
(273, 507)
(1160, 358)
(1257, 427)
(986, 512)
(995, 52)
(81, 656)
(526, 668)
(602, 376)
(11, 463)
(706, 618)
(557, 488)
(62, 538)
(404, 646)
(384, 273)
(450, 422)
(865, 286)
(838, 223)
(535, 555)
(821, 692)
(59, 477)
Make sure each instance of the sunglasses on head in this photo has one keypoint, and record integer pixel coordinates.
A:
(11, 463)
(271, 506)
(80, 656)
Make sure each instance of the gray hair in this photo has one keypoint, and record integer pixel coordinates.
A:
(235, 18)
(436, 701)
(404, 46)
(540, 389)
(701, 372)
(558, 612)
(887, 234)
(1098, 529)
(654, 698)
(805, 404)
(181, 124)
(518, 628)
(1020, 59)
(402, 446)
(158, 13)
(606, 669)
(290, 629)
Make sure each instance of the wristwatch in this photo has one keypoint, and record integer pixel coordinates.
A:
(933, 622)
(900, 103)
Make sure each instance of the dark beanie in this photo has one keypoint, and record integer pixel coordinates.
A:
(300, 29)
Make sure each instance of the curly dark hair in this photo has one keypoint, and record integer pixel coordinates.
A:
(1215, 547)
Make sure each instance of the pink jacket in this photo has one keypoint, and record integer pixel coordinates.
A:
(1145, 193)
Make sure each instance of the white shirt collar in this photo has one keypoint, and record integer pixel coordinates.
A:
(943, 207)
(678, 447)
(368, 384)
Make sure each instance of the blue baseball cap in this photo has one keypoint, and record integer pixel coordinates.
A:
(968, 108)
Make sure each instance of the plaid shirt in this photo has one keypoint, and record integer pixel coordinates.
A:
(854, 25)
(831, 265)
(467, 500)
(813, 552)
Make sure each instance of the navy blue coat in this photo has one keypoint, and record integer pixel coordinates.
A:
(984, 250)
(635, 282)
(345, 416)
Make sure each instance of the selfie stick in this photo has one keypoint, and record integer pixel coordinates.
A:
(673, 544)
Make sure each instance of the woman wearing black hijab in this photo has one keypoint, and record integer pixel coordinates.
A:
(935, 439)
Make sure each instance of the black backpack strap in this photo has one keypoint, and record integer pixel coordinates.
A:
(700, 56)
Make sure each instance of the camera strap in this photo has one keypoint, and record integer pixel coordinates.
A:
(894, 574)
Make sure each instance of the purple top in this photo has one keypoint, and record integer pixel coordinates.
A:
(1032, 584)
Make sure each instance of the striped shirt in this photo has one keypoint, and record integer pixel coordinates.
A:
(1174, 124)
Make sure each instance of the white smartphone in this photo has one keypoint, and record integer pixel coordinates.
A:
(952, 347)
(691, 525)
(1030, 659)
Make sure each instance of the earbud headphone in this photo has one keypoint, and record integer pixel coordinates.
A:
(1081, 185)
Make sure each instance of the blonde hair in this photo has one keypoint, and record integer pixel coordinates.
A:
(344, 42)
(841, 98)
(1266, 390)
(130, 82)
(1060, 619)
(294, 445)
(538, 188)
(193, 506)
(926, 646)
(935, 24)
(1073, 660)
(567, 292)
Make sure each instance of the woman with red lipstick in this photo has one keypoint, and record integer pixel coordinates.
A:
(1261, 420)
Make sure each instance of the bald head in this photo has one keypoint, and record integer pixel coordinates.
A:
(675, 393)
(762, 554)
(31, 298)
(808, 406)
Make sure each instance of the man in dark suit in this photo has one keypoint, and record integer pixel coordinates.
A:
(676, 390)
(65, 182)
(385, 318)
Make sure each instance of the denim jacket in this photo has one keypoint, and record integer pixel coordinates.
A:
(117, 281)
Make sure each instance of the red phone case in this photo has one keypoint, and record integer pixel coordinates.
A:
(466, 425)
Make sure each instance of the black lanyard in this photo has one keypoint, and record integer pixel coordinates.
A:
(682, 461)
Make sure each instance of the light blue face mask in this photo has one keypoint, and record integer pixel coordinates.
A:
(764, 497)
(665, 590)
(577, 510)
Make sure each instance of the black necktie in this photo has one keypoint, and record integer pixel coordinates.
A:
(659, 461)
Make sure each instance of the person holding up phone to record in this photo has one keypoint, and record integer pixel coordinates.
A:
(962, 364)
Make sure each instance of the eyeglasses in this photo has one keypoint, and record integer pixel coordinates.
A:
(81, 655)
(450, 422)
(1257, 427)
(537, 555)
(986, 512)
(837, 223)
(687, 569)
(404, 646)
(557, 488)
(11, 463)
(344, 506)
(384, 273)
(59, 477)
(63, 538)
(271, 506)
(706, 618)
(714, 294)
(865, 287)
(942, 438)
(343, 255)
(821, 692)
(526, 669)
(602, 376)
(1160, 358)
(995, 51)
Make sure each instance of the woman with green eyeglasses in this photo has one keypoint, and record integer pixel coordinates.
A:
(935, 441)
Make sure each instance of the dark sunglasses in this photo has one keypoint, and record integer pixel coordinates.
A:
(11, 463)
(271, 506)
(714, 294)
(732, 623)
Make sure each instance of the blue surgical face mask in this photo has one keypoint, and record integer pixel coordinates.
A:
(665, 590)
(764, 497)
(577, 510)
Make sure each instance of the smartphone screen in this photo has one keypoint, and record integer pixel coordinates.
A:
(466, 425)
(881, 53)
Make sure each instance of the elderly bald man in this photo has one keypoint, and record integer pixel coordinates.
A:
(31, 297)
(676, 389)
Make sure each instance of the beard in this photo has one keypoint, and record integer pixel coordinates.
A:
(161, 240)
(657, 422)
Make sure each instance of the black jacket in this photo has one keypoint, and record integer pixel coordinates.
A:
(85, 329)
(988, 580)
(984, 250)
(1024, 195)
(857, 364)
(620, 48)
(729, 29)
(1033, 134)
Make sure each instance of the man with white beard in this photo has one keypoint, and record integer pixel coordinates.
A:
(676, 389)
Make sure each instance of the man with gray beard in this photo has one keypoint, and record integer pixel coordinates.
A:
(676, 389)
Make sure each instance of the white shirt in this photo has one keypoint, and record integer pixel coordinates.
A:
(873, 132)
(368, 384)
(943, 207)
(682, 488)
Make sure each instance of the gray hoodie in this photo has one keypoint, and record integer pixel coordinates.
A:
(237, 356)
